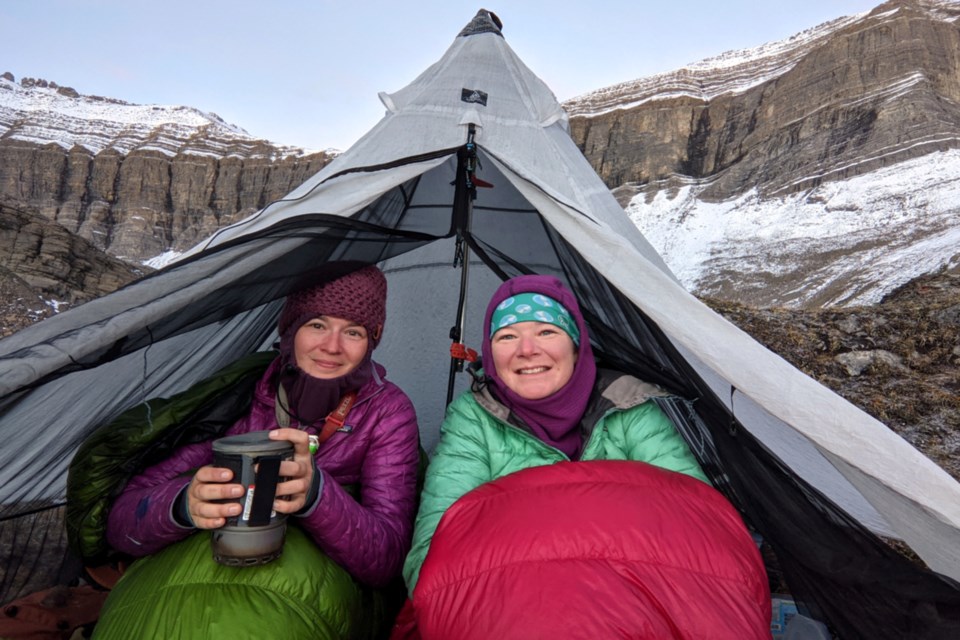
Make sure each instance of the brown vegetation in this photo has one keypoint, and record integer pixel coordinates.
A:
(899, 360)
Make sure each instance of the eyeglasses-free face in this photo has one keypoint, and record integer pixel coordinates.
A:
(534, 359)
(327, 347)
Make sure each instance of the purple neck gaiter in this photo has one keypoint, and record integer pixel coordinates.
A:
(556, 418)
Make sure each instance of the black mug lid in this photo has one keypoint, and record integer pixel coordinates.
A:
(257, 442)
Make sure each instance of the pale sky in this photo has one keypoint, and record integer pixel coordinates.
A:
(307, 72)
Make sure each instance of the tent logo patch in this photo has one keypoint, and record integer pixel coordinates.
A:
(473, 95)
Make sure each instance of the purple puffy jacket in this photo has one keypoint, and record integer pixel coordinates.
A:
(377, 448)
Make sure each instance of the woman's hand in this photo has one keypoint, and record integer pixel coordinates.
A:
(208, 486)
(292, 494)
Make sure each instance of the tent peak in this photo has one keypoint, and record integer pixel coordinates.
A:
(484, 22)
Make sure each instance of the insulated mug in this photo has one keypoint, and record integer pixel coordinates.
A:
(256, 535)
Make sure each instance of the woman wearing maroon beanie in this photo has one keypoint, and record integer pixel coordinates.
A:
(350, 486)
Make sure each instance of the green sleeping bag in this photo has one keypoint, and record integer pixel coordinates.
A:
(181, 592)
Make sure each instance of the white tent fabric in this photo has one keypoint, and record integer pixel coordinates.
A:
(523, 131)
(64, 376)
(898, 481)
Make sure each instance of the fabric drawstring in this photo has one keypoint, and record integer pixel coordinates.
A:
(334, 420)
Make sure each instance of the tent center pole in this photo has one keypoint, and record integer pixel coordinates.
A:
(465, 192)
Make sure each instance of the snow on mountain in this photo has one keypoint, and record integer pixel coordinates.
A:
(162, 260)
(41, 112)
(845, 242)
(842, 242)
(826, 229)
(730, 72)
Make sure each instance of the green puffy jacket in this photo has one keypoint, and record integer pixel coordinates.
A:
(479, 444)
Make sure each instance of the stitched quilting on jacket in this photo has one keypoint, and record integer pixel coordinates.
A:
(377, 450)
(326, 584)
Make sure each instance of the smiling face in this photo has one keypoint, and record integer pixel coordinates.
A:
(327, 347)
(533, 359)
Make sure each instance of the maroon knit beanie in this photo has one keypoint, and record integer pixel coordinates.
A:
(360, 296)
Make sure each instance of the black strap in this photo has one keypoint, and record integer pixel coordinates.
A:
(264, 490)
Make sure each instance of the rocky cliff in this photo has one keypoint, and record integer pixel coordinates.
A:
(44, 268)
(837, 100)
(821, 170)
(135, 180)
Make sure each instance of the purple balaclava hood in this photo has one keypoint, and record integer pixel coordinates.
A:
(556, 418)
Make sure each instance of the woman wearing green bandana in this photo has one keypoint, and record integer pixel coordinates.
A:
(539, 405)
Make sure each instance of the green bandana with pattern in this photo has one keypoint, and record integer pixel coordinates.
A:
(533, 307)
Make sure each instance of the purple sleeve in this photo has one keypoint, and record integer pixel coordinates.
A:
(370, 538)
(141, 520)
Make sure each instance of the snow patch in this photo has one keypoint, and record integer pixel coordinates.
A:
(875, 231)
(54, 304)
(162, 260)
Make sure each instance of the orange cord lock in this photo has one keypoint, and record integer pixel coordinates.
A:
(461, 352)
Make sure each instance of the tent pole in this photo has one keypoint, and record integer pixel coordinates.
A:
(465, 192)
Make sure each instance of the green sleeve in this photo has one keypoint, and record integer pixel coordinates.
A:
(460, 462)
(650, 437)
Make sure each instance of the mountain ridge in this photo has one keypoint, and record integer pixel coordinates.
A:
(736, 70)
(45, 269)
(750, 190)
(852, 102)
(135, 180)
(41, 111)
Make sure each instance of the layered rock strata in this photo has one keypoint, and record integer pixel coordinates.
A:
(135, 180)
(44, 268)
(838, 100)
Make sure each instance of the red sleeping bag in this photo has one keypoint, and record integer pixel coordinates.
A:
(609, 549)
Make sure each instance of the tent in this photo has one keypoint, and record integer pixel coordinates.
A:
(471, 177)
